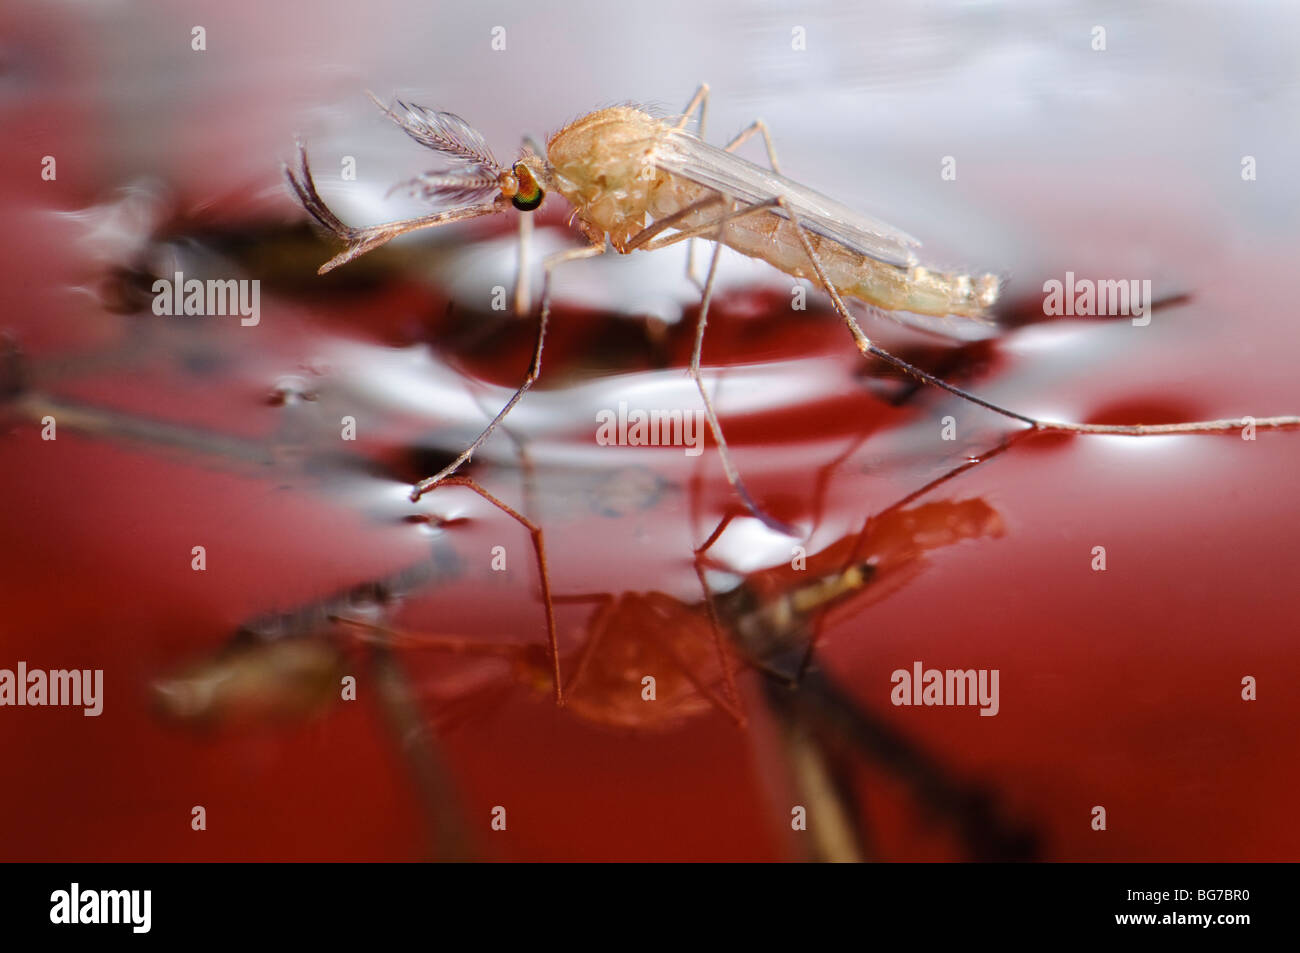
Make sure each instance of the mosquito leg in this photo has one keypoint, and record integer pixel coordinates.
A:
(747, 133)
(539, 550)
(523, 304)
(670, 221)
(716, 225)
(700, 99)
(835, 837)
(691, 276)
(728, 704)
(367, 632)
(733, 475)
(1146, 430)
(864, 343)
(760, 127)
(424, 486)
(866, 346)
(715, 626)
(597, 627)
(526, 470)
(361, 240)
(640, 238)
(715, 622)
(855, 552)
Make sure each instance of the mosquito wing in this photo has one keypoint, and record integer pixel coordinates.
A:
(692, 158)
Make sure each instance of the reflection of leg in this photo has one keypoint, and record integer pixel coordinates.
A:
(424, 486)
(447, 643)
(539, 550)
(988, 833)
(715, 626)
(826, 793)
(371, 632)
(527, 473)
(13, 369)
(432, 776)
(728, 705)
(814, 709)
(597, 627)
(854, 556)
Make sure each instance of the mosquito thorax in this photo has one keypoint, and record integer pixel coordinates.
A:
(604, 165)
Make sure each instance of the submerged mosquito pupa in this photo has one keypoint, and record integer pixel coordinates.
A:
(635, 181)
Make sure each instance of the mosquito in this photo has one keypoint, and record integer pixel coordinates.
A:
(630, 178)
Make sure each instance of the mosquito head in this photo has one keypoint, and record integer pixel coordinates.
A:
(522, 185)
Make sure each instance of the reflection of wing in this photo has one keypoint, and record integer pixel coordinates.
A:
(690, 157)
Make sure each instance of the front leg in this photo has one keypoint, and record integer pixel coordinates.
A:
(361, 240)
(424, 486)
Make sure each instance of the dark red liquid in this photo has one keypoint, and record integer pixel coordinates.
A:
(1119, 688)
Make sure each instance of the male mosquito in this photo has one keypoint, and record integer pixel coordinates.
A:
(630, 177)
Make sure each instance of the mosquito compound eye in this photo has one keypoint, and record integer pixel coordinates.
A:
(530, 194)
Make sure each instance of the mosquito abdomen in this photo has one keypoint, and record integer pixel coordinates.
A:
(916, 289)
(921, 290)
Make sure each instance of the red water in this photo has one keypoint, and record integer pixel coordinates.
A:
(1119, 688)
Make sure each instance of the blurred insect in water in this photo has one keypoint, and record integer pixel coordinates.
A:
(287, 664)
(630, 177)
